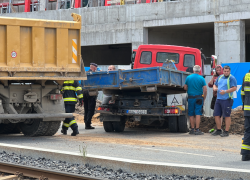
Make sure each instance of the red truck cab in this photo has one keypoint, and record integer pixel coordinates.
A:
(154, 55)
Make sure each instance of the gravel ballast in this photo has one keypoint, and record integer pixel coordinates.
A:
(88, 170)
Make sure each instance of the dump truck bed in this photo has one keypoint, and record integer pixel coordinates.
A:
(34, 49)
(147, 79)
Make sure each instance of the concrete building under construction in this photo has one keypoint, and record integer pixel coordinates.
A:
(220, 27)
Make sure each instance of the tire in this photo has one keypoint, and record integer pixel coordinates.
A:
(53, 128)
(108, 126)
(7, 128)
(119, 126)
(182, 124)
(37, 127)
(172, 124)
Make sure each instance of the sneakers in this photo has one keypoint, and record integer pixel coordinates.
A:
(75, 132)
(198, 132)
(192, 132)
(64, 131)
(245, 158)
(224, 134)
(216, 133)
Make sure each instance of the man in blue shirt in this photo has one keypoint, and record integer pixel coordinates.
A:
(197, 91)
(225, 85)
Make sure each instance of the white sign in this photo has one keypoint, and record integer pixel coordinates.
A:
(13, 54)
(174, 100)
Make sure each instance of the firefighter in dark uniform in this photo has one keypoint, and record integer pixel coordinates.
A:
(89, 102)
(70, 89)
(245, 95)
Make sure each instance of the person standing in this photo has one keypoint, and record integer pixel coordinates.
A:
(217, 73)
(70, 89)
(89, 102)
(245, 96)
(196, 88)
(225, 85)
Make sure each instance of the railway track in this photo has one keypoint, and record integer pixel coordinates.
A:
(39, 173)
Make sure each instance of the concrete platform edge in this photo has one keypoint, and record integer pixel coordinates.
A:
(128, 165)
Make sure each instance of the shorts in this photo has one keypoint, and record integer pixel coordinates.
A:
(223, 107)
(195, 106)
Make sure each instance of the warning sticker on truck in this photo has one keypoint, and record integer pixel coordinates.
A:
(174, 100)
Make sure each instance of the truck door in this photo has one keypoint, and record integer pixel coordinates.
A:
(192, 59)
(189, 62)
(144, 59)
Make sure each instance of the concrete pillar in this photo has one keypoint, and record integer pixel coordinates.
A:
(43, 5)
(143, 39)
(230, 41)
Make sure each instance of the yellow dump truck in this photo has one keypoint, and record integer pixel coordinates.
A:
(36, 57)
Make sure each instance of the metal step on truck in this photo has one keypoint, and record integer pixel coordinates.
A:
(152, 93)
(36, 57)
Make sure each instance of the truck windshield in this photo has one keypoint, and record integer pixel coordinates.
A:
(163, 56)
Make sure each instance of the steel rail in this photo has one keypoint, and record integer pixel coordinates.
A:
(41, 173)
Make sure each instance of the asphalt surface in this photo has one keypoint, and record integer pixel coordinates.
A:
(144, 144)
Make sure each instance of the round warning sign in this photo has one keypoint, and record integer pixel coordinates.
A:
(13, 54)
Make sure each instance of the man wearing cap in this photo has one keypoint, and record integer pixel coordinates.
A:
(89, 102)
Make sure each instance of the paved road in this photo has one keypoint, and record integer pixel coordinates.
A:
(145, 144)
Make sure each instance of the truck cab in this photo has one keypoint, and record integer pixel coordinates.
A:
(155, 55)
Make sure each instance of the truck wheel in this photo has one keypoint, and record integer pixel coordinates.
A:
(7, 128)
(182, 124)
(108, 126)
(172, 124)
(53, 128)
(36, 127)
(119, 126)
(17, 129)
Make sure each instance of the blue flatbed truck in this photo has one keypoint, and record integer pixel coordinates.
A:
(149, 96)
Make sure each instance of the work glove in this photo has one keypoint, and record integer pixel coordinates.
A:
(81, 102)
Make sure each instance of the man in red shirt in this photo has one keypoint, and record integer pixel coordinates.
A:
(217, 73)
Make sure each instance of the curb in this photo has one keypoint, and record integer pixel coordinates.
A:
(128, 165)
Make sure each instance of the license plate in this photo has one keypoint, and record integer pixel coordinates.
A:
(137, 111)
